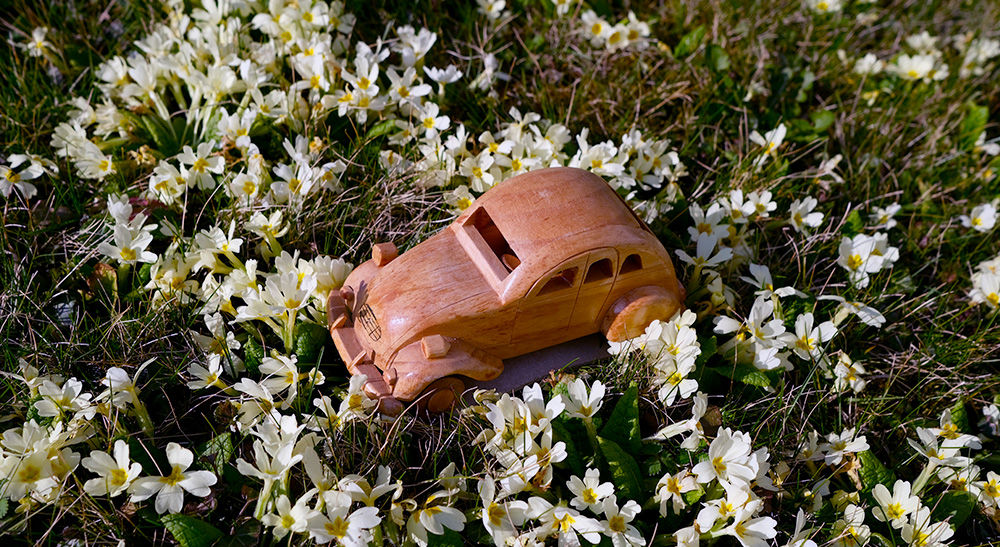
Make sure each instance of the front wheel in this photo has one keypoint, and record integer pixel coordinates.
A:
(441, 395)
(632, 313)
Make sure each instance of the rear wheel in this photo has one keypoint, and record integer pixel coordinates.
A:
(633, 312)
(441, 395)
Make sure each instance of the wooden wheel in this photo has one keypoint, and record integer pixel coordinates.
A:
(441, 395)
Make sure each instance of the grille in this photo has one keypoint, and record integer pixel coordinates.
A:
(369, 322)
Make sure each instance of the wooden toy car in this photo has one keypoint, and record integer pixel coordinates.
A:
(542, 258)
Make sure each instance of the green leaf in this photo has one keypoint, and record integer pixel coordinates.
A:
(623, 425)
(960, 417)
(716, 58)
(309, 340)
(3, 507)
(853, 224)
(973, 124)
(253, 355)
(750, 375)
(573, 458)
(216, 453)
(822, 120)
(191, 532)
(381, 128)
(690, 42)
(625, 472)
(709, 345)
(872, 472)
(957, 504)
(449, 538)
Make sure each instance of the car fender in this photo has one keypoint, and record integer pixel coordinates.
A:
(432, 357)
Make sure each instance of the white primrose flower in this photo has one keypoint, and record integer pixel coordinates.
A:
(500, 518)
(289, 518)
(38, 45)
(116, 473)
(949, 430)
(938, 451)
(11, 179)
(761, 278)
(861, 256)
(735, 206)
(203, 164)
(705, 254)
(68, 400)
(838, 445)
(982, 218)
(169, 489)
(340, 524)
(824, 6)
(616, 524)
(729, 460)
(129, 247)
(867, 314)
(800, 537)
(893, 508)
(761, 203)
(692, 425)
(805, 343)
(851, 530)
(563, 522)
(581, 402)
(883, 217)
(848, 374)
(589, 493)
(769, 141)
(923, 67)
(802, 216)
(434, 518)
(989, 490)
(869, 65)
(595, 28)
(920, 530)
(671, 488)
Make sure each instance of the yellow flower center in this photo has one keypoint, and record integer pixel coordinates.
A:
(128, 254)
(105, 165)
(29, 474)
(496, 514)
(465, 203)
(822, 6)
(175, 476)
(199, 165)
(249, 187)
(596, 29)
(589, 496)
(364, 83)
(118, 476)
(993, 298)
(12, 176)
(617, 524)
(565, 523)
(337, 528)
(895, 511)
(854, 262)
(308, 18)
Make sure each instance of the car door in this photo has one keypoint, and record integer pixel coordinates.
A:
(546, 311)
(598, 279)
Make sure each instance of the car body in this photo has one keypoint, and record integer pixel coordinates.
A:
(542, 258)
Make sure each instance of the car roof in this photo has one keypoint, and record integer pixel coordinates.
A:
(550, 215)
(550, 206)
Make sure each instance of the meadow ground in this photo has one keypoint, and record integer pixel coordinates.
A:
(185, 183)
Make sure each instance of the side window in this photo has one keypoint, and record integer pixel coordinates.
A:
(599, 271)
(632, 263)
(560, 281)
